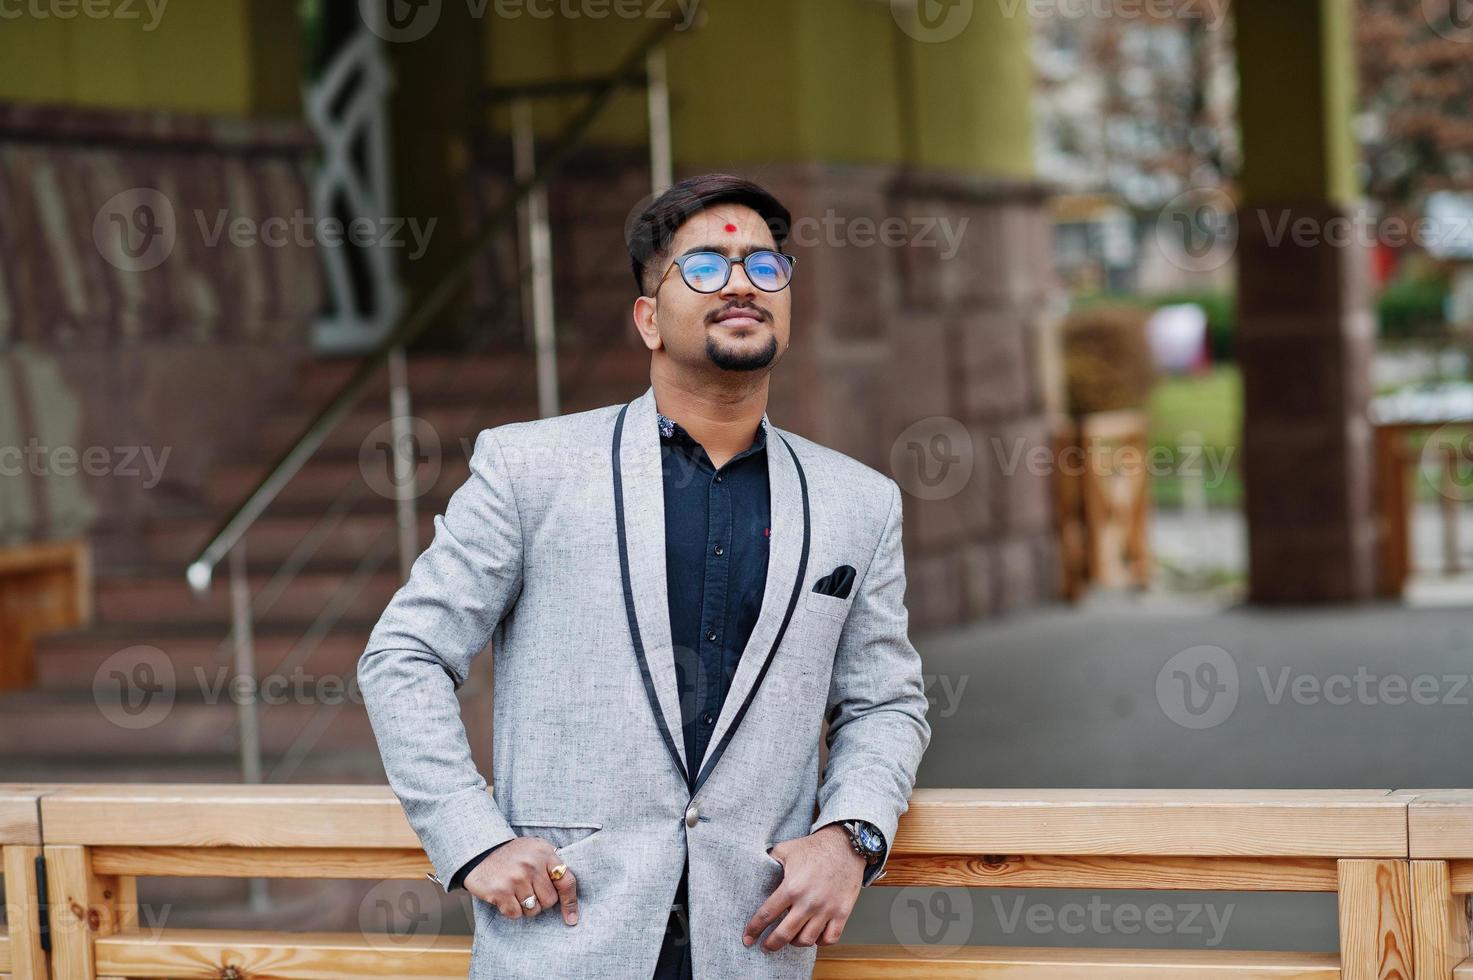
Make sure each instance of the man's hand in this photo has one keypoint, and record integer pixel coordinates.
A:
(520, 868)
(822, 875)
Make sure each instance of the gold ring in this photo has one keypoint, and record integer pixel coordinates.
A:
(557, 873)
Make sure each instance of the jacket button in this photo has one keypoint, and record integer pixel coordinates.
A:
(692, 815)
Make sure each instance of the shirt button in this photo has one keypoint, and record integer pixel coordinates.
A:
(706, 717)
(718, 477)
(718, 550)
(710, 634)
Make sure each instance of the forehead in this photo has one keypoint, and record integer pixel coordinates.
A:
(709, 227)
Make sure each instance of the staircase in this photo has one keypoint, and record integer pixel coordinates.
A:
(322, 564)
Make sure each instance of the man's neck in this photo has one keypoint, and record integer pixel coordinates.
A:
(724, 422)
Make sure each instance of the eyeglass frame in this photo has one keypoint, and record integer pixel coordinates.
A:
(730, 263)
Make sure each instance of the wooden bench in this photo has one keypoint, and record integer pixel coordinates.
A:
(1354, 843)
(21, 955)
(43, 587)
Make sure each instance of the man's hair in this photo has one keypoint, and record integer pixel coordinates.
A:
(649, 236)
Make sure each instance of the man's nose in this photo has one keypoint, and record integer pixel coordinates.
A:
(738, 284)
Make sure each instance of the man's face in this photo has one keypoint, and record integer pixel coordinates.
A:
(737, 328)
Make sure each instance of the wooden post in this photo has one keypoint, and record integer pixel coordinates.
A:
(84, 906)
(1441, 921)
(23, 913)
(1375, 920)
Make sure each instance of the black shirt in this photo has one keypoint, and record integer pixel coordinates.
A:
(717, 532)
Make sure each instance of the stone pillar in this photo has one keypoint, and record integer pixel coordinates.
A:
(1306, 333)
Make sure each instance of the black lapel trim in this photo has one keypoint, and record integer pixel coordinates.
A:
(644, 667)
(714, 756)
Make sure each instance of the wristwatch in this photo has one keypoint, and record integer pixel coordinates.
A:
(866, 839)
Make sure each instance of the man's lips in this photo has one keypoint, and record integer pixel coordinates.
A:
(739, 318)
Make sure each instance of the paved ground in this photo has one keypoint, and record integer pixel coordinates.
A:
(1070, 698)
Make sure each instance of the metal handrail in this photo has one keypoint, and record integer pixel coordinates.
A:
(414, 322)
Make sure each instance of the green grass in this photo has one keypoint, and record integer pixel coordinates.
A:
(1205, 410)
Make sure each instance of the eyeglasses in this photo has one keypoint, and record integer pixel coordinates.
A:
(709, 272)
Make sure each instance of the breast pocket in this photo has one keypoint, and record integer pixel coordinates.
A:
(828, 605)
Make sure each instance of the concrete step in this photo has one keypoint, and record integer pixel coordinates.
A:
(610, 373)
(177, 540)
(325, 479)
(163, 596)
(449, 429)
(136, 716)
(76, 660)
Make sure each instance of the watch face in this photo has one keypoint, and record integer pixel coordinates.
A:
(870, 839)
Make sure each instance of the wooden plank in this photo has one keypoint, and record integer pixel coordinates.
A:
(1441, 921)
(84, 907)
(1376, 920)
(21, 955)
(1165, 873)
(1440, 825)
(227, 814)
(261, 862)
(194, 953)
(1163, 823)
(863, 962)
(20, 817)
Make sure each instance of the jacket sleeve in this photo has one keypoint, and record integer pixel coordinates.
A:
(877, 703)
(419, 655)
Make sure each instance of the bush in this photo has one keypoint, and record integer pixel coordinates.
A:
(1107, 359)
(1413, 309)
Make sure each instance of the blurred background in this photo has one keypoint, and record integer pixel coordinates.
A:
(1159, 311)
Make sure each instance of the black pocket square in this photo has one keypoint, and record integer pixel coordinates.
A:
(836, 583)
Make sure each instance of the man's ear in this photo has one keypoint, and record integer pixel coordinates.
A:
(645, 310)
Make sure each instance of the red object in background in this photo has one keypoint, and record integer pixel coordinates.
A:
(1203, 363)
(1383, 263)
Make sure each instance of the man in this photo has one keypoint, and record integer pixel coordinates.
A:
(677, 594)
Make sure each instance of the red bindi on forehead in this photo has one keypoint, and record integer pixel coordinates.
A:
(730, 227)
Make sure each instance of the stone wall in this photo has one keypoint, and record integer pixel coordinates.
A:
(137, 341)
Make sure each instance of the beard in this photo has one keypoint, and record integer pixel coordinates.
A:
(740, 360)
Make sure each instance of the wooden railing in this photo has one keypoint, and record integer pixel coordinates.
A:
(1400, 862)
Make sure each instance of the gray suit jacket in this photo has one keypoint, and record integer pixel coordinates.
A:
(554, 550)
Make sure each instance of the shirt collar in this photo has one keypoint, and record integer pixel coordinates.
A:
(668, 428)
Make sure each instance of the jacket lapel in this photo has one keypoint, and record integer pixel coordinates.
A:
(639, 493)
(640, 516)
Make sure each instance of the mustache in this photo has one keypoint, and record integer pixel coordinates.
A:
(750, 308)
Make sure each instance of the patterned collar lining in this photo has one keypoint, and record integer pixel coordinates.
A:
(667, 426)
